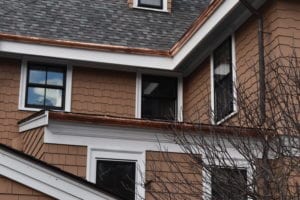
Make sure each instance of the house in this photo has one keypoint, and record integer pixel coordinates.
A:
(89, 87)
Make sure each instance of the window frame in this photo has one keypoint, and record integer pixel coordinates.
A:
(234, 83)
(45, 86)
(95, 154)
(66, 100)
(164, 8)
(140, 4)
(227, 168)
(179, 101)
(121, 160)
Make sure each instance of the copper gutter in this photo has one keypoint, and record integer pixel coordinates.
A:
(148, 124)
(121, 49)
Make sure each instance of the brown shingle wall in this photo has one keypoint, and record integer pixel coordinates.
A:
(11, 190)
(69, 158)
(172, 176)
(33, 142)
(103, 92)
(10, 70)
(282, 36)
(196, 94)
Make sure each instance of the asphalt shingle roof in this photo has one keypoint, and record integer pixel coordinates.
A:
(109, 22)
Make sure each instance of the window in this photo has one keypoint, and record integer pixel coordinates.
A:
(228, 184)
(159, 97)
(45, 86)
(223, 91)
(117, 177)
(158, 4)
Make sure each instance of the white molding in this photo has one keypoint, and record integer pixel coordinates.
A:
(45, 180)
(212, 84)
(96, 153)
(138, 95)
(68, 92)
(135, 60)
(180, 99)
(23, 82)
(39, 121)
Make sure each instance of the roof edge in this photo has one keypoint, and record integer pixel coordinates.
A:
(122, 49)
(51, 175)
(84, 45)
(195, 26)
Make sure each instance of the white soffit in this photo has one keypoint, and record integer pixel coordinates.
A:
(144, 61)
(45, 180)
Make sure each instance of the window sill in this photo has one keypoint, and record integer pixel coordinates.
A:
(151, 9)
(38, 109)
(225, 118)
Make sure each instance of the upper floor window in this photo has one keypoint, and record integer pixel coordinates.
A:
(45, 86)
(159, 97)
(223, 79)
(158, 4)
(117, 177)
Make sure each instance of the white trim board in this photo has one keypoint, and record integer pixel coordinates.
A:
(144, 61)
(45, 180)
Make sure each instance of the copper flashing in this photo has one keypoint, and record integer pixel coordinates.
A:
(121, 49)
(195, 26)
(143, 123)
(83, 45)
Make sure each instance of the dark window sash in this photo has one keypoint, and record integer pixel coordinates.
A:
(46, 67)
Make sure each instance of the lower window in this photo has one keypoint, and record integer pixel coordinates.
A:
(228, 184)
(117, 177)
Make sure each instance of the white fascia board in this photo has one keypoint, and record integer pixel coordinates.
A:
(207, 27)
(44, 180)
(38, 121)
(144, 61)
(134, 60)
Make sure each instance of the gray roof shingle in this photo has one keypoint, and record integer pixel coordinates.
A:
(109, 22)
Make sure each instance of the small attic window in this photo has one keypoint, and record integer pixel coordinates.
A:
(157, 4)
(154, 5)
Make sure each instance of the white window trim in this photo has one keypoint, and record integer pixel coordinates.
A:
(23, 80)
(138, 106)
(164, 9)
(212, 89)
(138, 157)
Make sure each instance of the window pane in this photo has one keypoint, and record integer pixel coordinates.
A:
(223, 83)
(117, 177)
(228, 184)
(158, 108)
(151, 3)
(37, 76)
(159, 97)
(53, 97)
(55, 78)
(35, 96)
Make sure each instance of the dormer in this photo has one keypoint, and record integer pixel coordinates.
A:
(155, 5)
